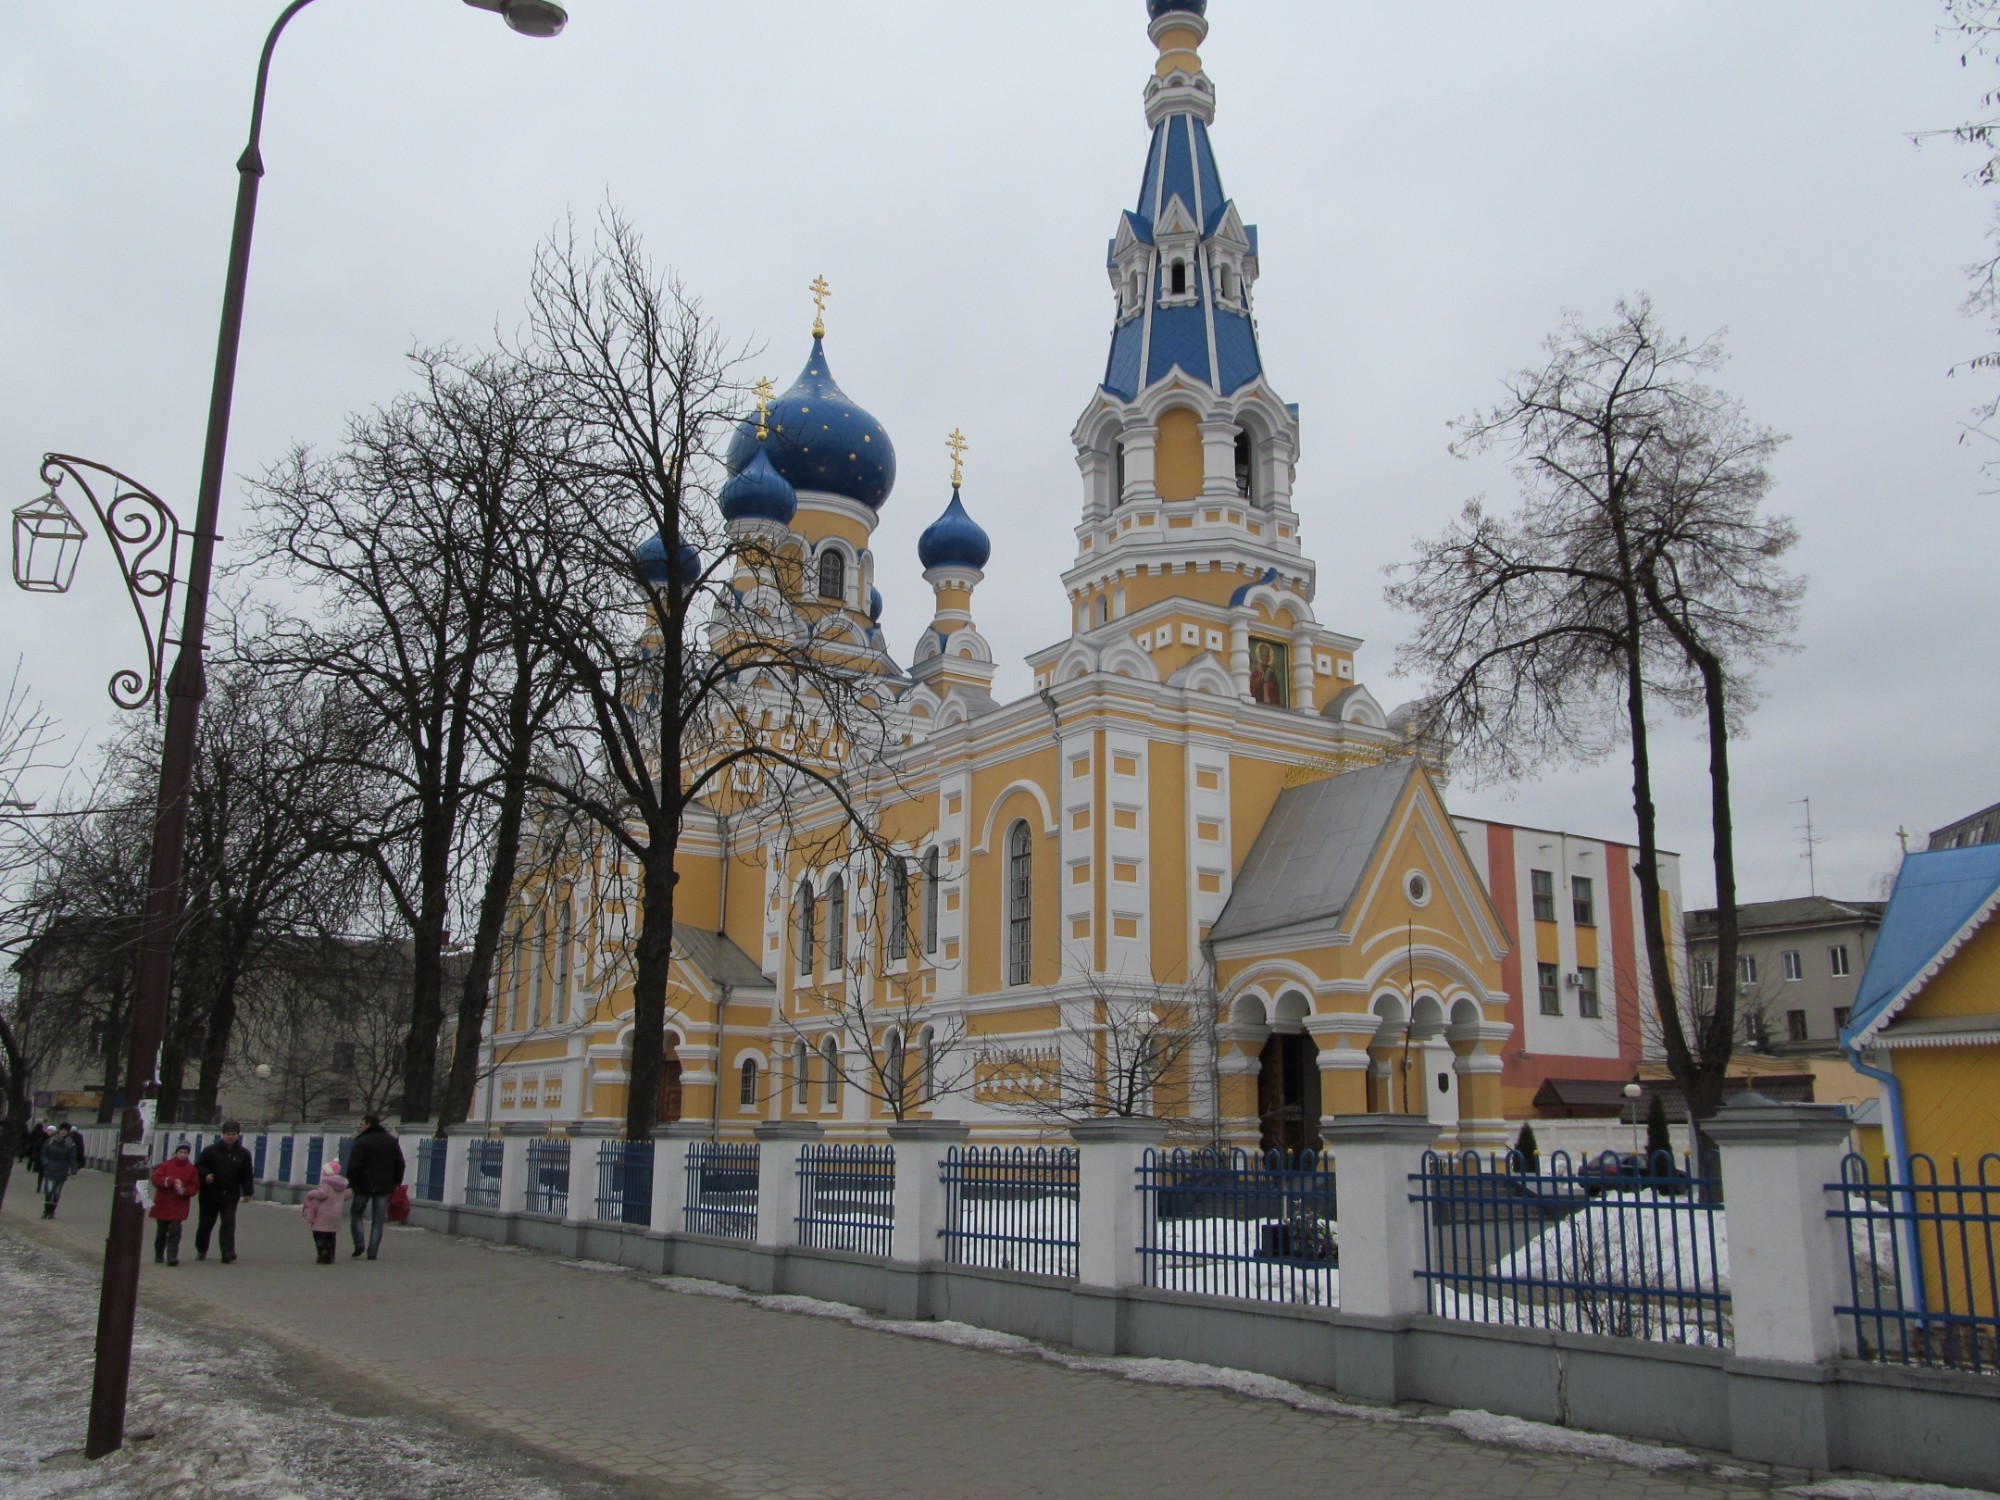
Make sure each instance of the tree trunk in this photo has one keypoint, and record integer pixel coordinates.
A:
(19, 1105)
(652, 953)
(215, 1047)
(427, 969)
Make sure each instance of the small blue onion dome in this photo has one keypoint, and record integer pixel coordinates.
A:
(1157, 8)
(651, 556)
(758, 492)
(820, 440)
(874, 604)
(954, 540)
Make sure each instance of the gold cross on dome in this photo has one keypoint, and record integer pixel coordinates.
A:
(821, 291)
(763, 388)
(956, 442)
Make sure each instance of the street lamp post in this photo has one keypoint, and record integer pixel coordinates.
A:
(185, 688)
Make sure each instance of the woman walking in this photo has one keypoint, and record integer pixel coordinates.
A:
(174, 1185)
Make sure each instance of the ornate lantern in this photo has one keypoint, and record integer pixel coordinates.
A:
(48, 539)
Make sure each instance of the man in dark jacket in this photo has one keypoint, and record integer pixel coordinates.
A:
(62, 1157)
(374, 1171)
(228, 1174)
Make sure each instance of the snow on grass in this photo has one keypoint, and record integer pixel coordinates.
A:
(1542, 1437)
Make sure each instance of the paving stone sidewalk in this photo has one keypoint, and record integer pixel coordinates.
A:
(704, 1396)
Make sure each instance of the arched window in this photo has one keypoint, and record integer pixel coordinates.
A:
(1103, 609)
(746, 1092)
(829, 1052)
(1243, 464)
(1020, 901)
(899, 908)
(1225, 281)
(1177, 279)
(927, 1062)
(931, 883)
(832, 575)
(892, 1071)
(803, 926)
(836, 925)
(1132, 289)
(801, 1057)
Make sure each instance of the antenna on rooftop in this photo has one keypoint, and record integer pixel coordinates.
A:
(1812, 873)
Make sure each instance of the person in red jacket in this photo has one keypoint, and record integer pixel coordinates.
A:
(174, 1187)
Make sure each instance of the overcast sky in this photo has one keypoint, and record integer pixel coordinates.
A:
(1433, 183)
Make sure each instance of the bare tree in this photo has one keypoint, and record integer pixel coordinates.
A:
(1976, 25)
(1125, 1051)
(1637, 571)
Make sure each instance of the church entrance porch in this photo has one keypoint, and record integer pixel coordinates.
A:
(1288, 1098)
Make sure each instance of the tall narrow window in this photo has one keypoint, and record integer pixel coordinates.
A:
(1549, 982)
(1117, 472)
(1225, 282)
(829, 1053)
(517, 985)
(1582, 901)
(892, 1071)
(1746, 968)
(927, 1061)
(746, 1089)
(802, 929)
(1837, 958)
(1177, 279)
(899, 909)
(565, 960)
(538, 961)
(1020, 904)
(1542, 884)
(1795, 966)
(836, 926)
(931, 883)
(832, 575)
(1704, 974)
(1243, 464)
(1586, 992)
(801, 1081)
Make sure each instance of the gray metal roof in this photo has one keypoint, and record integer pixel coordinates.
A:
(1312, 851)
(717, 957)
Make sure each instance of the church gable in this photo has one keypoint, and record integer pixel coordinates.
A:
(1421, 879)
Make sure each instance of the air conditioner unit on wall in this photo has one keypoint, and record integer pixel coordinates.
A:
(1573, 979)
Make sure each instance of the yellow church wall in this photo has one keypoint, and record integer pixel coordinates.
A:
(817, 525)
(997, 807)
(1254, 785)
(1177, 454)
(1167, 859)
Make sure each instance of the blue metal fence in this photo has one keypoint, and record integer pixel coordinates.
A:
(1259, 1225)
(722, 1189)
(285, 1148)
(1011, 1207)
(429, 1186)
(257, 1152)
(1923, 1270)
(482, 1173)
(343, 1152)
(625, 1182)
(847, 1198)
(315, 1155)
(1613, 1246)
(548, 1176)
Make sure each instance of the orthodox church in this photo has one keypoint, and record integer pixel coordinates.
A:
(1199, 811)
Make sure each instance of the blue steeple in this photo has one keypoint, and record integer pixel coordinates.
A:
(820, 440)
(954, 539)
(1182, 260)
(758, 492)
(651, 557)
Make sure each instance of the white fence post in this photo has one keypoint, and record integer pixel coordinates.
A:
(778, 1179)
(1108, 1156)
(1785, 1255)
(670, 1149)
(514, 1138)
(585, 1137)
(920, 1197)
(458, 1141)
(1381, 1230)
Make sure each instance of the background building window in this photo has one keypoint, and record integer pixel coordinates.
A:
(1582, 901)
(1837, 956)
(1586, 992)
(1550, 984)
(1746, 968)
(1704, 973)
(1543, 885)
(1795, 965)
(1020, 903)
(1795, 1026)
(1840, 1015)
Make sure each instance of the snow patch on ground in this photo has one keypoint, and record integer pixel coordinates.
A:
(694, 1286)
(1541, 1437)
(944, 1331)
(1885, 1489)
(610, 1267)
(811, 1307)
(1184, 1372)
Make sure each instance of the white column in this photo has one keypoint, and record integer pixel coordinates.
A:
(585, 1137)
(1381, 1230)
(920, 1197)
(1139, 471)
(457, 1143)
(670, 1149)
(1786, 1257)
(778, 1179)
(1218, 462)
(1109, 1153)
(514, 1138)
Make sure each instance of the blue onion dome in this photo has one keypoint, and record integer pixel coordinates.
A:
(651, 556)
(874, 604)
(758, 492)
(820, 440)
(954, 540)
(1157, 8)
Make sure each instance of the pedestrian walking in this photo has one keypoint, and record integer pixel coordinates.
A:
(175, 1182)
(36, 1137)
(324, 1208)
(62, 1158)
(374, 1171)
(228, 1175)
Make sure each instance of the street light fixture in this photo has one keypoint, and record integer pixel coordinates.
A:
(1632, 1093)
(37, 567)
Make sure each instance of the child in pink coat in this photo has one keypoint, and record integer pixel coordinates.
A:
(325, 1209)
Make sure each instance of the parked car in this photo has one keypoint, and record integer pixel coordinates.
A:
(1630, 1172)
